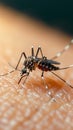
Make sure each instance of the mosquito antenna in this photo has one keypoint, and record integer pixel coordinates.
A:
(62, 79)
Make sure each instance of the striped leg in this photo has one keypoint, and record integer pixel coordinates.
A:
(62, 79)
(32, 51)
(65, 49)
(22, 54)
(39, 49)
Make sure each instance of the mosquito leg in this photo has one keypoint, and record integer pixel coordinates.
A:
(42, 75)
(61, 79)
(14, 67)
(65, 49)
(22, 54)
(7, 73)
(70, 66)
(39, 49)
(44, 82)
(32, 51)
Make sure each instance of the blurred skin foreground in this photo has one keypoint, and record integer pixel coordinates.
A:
(38, 104)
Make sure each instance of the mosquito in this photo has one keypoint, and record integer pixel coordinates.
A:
(43, 63)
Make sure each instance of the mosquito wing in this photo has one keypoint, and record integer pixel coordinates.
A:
(53, 62)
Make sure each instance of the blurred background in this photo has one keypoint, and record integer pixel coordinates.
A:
(56, 13)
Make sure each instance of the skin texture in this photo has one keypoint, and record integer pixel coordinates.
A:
(39, 104)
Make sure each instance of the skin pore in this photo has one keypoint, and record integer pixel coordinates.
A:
(39, 104)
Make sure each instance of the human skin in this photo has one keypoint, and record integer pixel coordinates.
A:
(39, 104)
